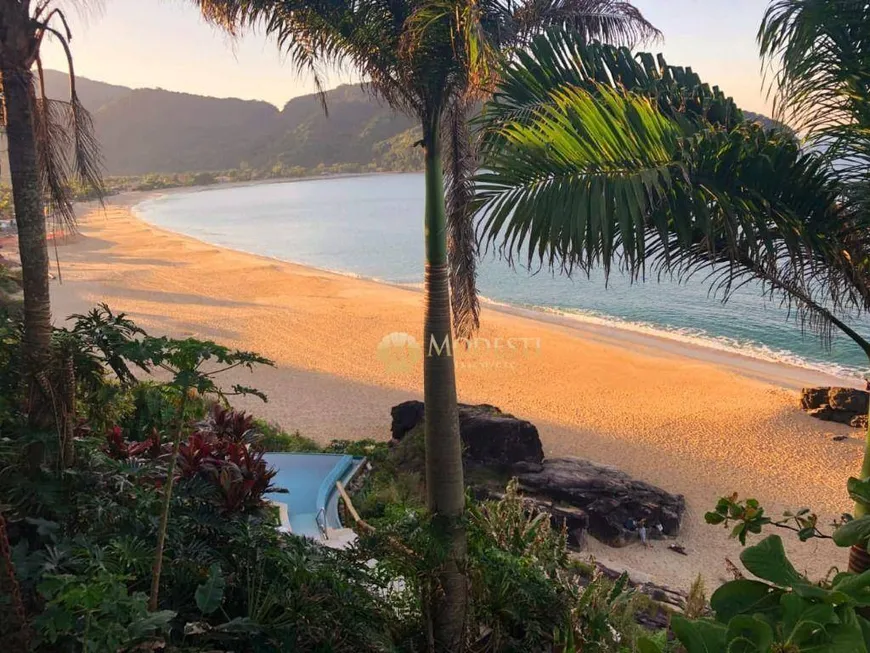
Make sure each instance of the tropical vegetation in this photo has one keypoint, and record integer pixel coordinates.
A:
(599, 156)
(432, 61)
(155, 534)
(133, 511)
(50, 142)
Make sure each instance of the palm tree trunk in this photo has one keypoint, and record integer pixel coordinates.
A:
(32, 243)
(444, 476)
(859, 558)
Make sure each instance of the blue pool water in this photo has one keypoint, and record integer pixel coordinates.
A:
(309, 479)
(373, 227)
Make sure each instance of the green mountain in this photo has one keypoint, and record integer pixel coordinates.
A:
(145, 131)
(152, 130)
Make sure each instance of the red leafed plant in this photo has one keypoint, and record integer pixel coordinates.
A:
(119, 448)
(229, 424)
(230, 460)
(241, 476)
(222, 451)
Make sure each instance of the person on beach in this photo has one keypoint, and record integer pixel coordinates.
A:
(642, 532)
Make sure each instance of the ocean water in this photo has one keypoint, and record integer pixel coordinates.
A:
(372, 227)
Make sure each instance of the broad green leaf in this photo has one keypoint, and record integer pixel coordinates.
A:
(648, 645)
(859, 490)
(147, 625)
(848, 636)
(744, 596)
(748, 634)
(814, 592)
(853, 532)
(239, 625)
(802, 619)
(700, 636)
(854, 586)
(210, 594)
(864, 625)
(768, 561)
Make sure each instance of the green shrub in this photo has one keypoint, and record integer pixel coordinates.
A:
(95, 612)
(376, 452)
(153, 407)
(273, 438)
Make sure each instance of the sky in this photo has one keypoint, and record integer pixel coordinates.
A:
(165, 44)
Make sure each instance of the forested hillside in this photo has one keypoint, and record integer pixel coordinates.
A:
(152, 130)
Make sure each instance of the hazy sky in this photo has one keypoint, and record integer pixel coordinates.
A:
(164, 43)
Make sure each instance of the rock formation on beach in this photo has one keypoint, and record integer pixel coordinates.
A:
(842, 405)
(583, 495)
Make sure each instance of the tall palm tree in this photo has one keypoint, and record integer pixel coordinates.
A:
(431, 59)
(595, 156)
(50, 142)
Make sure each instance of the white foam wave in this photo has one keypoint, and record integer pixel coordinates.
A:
(701, 338)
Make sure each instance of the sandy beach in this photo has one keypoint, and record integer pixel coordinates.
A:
(699, 422)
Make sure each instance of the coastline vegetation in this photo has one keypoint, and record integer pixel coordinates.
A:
(81, 572)
(132, 511)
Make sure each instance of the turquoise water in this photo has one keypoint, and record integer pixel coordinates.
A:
(372, 227)
(310, 483)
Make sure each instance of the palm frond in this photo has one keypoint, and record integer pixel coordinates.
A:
(561, 58)
(818, 55)
(581, 172)
(53, 144)
(575, 182)
(603, 178)
(459, 166)
(817, 52)
(609, 21)
(67, 146)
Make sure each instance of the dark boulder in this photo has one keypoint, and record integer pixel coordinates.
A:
(841, 405)
(813, 398)
(406, 416)
(848, 400)
(489, 436)
(580, 495)
(828, 414)
(610, 498)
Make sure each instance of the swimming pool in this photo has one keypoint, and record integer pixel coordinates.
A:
(311, 497)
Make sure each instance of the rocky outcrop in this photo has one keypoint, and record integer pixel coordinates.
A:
(841, 405)
(611, 499)
(489, 436)
(579, 494)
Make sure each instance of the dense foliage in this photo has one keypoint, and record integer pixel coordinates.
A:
(83, 534)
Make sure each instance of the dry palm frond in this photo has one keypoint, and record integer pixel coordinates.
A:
(460, 165)
(610, 21)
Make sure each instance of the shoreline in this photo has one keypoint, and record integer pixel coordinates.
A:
(699, 423)
(785, 374)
